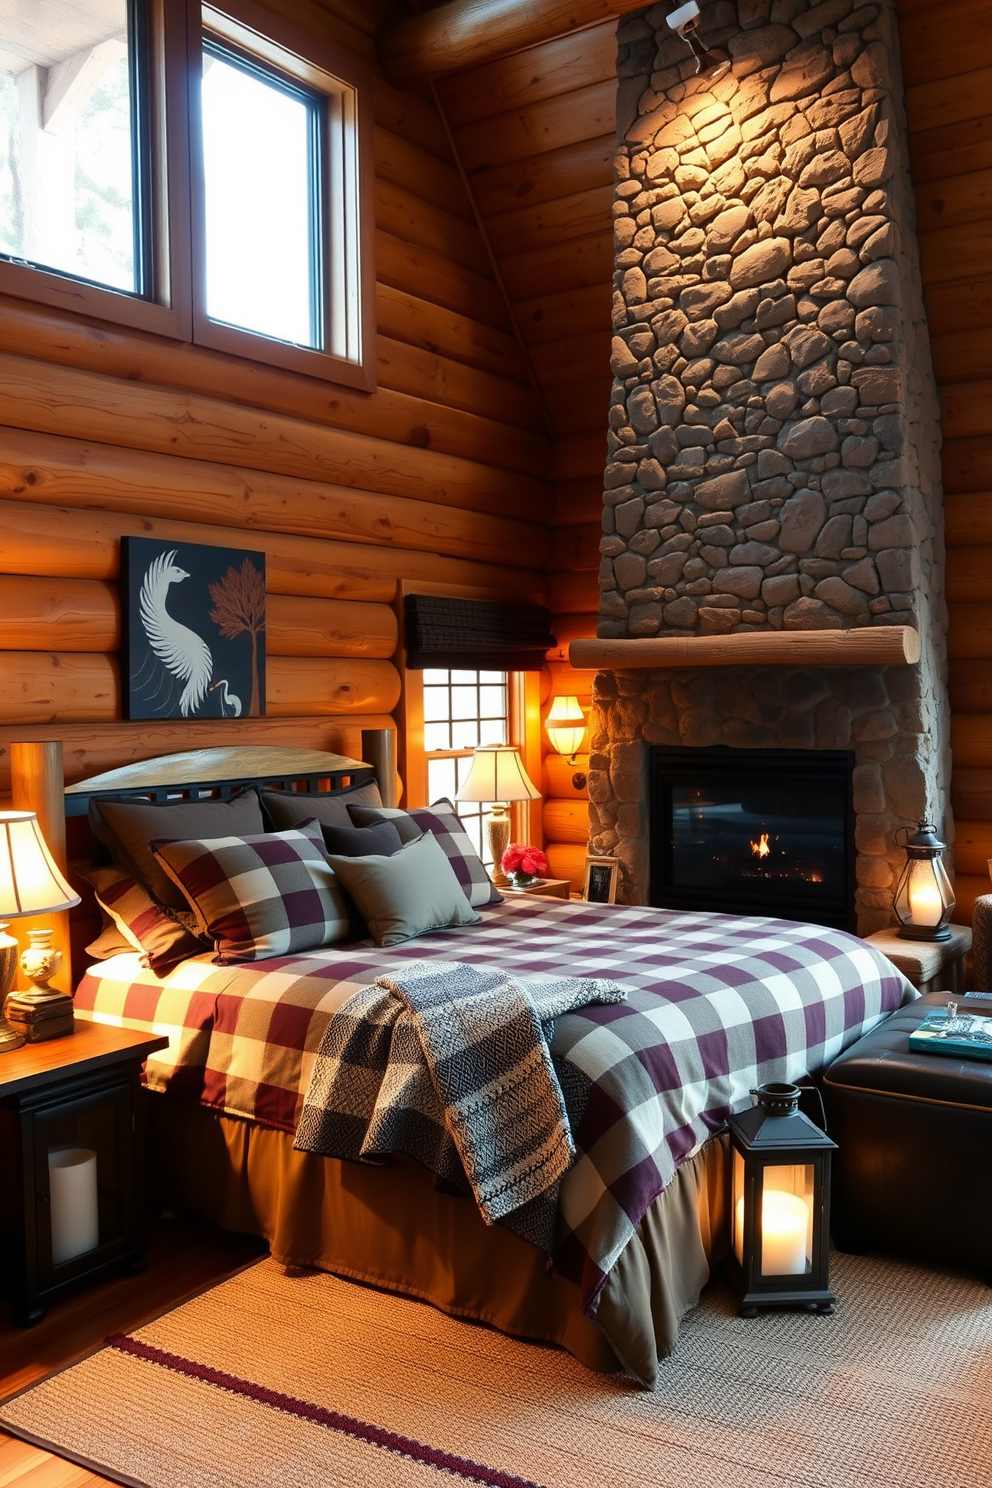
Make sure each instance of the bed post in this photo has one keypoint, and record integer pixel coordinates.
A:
(379, 751)
(37, 784)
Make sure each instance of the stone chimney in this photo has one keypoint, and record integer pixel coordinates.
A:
(774, 439)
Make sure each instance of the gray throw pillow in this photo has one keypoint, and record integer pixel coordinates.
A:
(126, 827)
(286, 809)
(410, 893)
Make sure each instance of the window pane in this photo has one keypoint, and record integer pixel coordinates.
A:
(436, 703)
(437, 736)
(492, 702)
(259, 169)
(441, 779)
(68, 140)
(465, 735)
(464, 702)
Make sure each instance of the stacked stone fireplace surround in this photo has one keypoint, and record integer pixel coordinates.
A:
(774, 440)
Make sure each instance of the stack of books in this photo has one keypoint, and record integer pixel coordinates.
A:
(962, 1030)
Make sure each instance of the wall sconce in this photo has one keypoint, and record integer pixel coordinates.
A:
(780, 1203)
(924, 900)
(566, 726)
(709, 64)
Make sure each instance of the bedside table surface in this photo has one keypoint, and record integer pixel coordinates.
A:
(545, 888)
(90, 1047)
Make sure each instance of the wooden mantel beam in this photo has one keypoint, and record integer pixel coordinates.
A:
(870, 645)
(466, 33)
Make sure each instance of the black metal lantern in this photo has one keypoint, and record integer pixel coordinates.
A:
(780, 1205)
(924, 900)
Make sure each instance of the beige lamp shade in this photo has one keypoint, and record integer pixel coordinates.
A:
(566, 726)
(497, 774)
(30, 882)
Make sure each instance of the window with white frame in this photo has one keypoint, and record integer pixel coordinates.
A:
(462, 709)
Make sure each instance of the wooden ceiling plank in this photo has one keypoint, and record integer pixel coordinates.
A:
(546, 176)
(579, 215)
(583, 114)
(541, 72)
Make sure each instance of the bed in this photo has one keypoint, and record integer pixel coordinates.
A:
(715, 1004)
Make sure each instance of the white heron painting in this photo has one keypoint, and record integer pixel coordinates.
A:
(195, 630)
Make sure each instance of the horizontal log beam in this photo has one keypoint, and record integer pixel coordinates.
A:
(107, 410)
(66, 687)
(560, 774)
(882, 645)
(39, 467)
(567, 860)
(69, 543)
(396, 416)
(566, 821)
(973, 847)
(90, 748)
(466, 33)
(56, 614)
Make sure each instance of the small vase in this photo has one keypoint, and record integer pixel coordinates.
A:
(523, 880)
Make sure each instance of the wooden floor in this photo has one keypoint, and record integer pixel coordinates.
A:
(184, 1255)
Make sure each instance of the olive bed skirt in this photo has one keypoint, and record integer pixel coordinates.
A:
(390, 1228)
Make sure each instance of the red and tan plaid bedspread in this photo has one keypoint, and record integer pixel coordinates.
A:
(716, 1004)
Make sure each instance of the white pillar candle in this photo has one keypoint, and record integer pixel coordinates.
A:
(73, 1208)
(925, 905)
(784, 1225)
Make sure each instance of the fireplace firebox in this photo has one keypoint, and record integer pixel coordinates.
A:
(754, 831)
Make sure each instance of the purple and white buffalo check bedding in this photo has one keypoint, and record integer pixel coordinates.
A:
(715, 1005)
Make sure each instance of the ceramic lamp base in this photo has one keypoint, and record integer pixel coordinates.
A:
(499, 841)
(10, 1038)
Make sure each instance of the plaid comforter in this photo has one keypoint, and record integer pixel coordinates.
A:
(715, 1005)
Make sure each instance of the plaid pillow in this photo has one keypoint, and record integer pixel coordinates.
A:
(272, 894)
(446, 825)
(140, 922)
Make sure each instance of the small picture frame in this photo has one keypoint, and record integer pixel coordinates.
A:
(600, 885)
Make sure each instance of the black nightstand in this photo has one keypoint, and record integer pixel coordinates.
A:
(76, 1095)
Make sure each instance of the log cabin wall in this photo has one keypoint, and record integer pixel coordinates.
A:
(947, 64)
(439, 476)
(535, 135)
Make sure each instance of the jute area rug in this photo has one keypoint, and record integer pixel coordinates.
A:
(303, 1379)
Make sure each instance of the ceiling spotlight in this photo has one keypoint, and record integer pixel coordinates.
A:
(711, 64)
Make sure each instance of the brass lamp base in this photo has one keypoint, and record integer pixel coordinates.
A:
(499, 841)
(10, 1038)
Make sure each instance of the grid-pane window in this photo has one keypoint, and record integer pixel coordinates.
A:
(462, 709)
(262, 199)
(70, 140)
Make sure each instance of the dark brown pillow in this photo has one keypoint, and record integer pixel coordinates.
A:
(126, 827)
(381, 839)
(286, 809)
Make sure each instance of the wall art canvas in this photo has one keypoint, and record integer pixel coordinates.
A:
(194, 630)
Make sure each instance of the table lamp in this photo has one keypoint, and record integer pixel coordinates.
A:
(498, 776)
(30, 884)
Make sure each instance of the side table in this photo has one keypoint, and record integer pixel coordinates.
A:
(547, 888)
(931, 965)
(78, 1097)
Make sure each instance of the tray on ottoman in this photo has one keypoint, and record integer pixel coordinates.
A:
(914, 1132)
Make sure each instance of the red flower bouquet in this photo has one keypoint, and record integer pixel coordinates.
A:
(524, 864)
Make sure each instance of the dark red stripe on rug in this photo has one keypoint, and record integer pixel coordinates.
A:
(318, 1415)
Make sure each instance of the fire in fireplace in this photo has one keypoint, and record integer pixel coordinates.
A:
(754, 831)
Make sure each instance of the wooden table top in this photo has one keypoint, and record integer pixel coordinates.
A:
(90, 1047)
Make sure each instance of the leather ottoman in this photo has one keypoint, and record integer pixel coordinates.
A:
(913, 1174)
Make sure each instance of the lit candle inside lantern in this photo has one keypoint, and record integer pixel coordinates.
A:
(925, 904)
(784, 1225)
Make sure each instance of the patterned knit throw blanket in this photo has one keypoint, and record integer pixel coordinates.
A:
(450, 1065)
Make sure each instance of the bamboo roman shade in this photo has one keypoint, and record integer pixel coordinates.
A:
(476, 634)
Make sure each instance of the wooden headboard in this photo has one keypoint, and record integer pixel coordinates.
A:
(202, 774)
